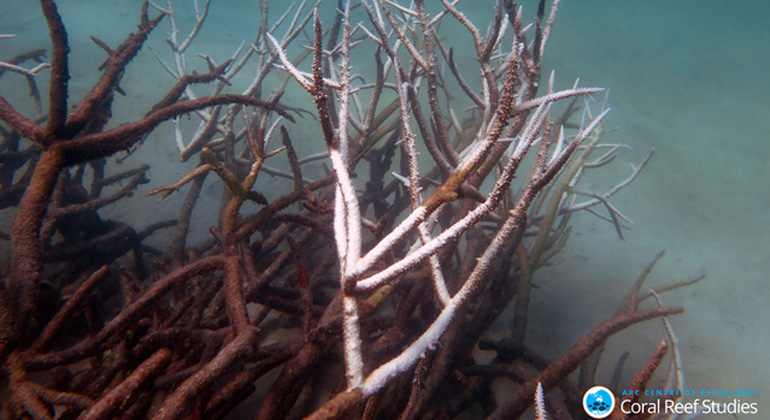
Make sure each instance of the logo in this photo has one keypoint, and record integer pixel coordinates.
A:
(598, 402)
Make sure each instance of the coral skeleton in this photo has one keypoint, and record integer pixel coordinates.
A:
(352, 270)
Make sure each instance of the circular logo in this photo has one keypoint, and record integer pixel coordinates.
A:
(598, 402)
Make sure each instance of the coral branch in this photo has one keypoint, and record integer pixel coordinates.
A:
(364, 293)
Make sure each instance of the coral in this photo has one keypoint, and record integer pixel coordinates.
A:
(369, 289)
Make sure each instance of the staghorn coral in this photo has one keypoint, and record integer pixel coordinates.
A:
(382, 324)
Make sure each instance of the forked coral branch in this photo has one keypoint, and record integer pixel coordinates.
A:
(360, 277)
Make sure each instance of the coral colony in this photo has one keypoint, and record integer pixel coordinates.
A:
(265, 317)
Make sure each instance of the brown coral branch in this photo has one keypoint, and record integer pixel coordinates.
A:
(432, 76)
(234, 301)
(340, 406)
(122, 395)
(103, 144)
(234, 353)
(318, 92)
(57, 101)
(20, 123)
(639, 381)
(27, 249)
(167, 190)
(569, 361)
(179, 242)
(65, 312)
(99, 95)
(129, 314)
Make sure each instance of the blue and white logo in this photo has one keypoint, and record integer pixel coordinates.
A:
(598, 402)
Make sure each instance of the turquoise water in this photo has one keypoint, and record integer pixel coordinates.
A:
(690, 79)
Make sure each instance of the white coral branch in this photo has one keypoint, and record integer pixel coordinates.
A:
(540, 413)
